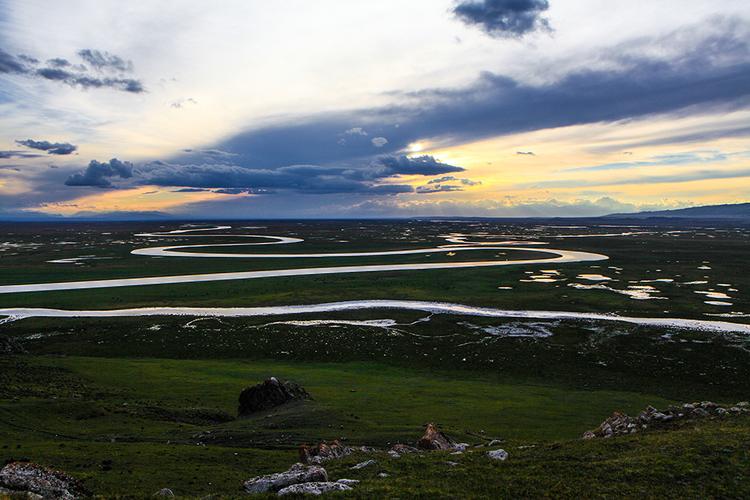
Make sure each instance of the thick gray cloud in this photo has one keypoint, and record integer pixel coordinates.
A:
(418, 165)
(232, 179)
(98, 174)
(61, 70)
(374, 178)
(711, 72)
(504, 18)
(104, 61)
(53, 148)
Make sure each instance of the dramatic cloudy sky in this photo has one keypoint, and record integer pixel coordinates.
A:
(340, 108)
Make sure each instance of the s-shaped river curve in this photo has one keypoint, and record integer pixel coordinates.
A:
(562, 256)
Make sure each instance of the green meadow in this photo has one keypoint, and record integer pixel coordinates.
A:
(132, 405)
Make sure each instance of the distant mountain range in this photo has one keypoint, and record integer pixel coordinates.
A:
(733, 211)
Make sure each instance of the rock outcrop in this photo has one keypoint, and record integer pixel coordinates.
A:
(433, 439)
(300, 479)
(499, 454)
(314, 488)
(322, 452)
(401, 449)
(269, 394)
(297, 474)
(621, 424)
(364, 464)
(30, 478)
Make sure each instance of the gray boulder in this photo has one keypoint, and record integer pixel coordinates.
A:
(297, 473)
(30, 478)
(362, 465)
(498, 454)
(317, 488)
(348, 482)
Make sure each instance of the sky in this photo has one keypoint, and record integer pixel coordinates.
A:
(335, 108)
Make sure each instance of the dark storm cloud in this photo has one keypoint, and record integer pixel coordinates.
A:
(504, 18)
(98, 174)
(713, 72)
(420, 165)
(315, 180)
(370, 178)
(53, 148)
(61, 70)
(104, 61)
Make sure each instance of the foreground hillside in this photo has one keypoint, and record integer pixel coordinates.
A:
(132, 427)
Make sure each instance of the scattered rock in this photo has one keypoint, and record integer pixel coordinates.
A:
(382, 474)
(621, 424)
(164, 492)
(364, 464)
(20, 477)
(348, 482)
(451, 464)
(402, 449)
(323, 452)
(269, 394)
(433, 439)
(494, 442)
(314, 488)
(498, 454)
(297, 473)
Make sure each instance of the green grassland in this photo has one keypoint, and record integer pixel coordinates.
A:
(132, 426)
(132, 405)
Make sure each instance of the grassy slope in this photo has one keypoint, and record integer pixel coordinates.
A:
(90, 414)
(702, 460)
(74, 413)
